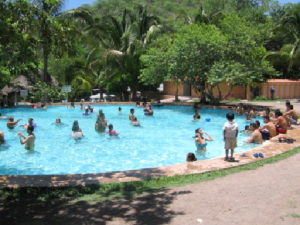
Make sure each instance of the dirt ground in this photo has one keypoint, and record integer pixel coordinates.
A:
(269, 195)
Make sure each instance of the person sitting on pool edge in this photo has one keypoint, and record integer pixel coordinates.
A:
(281, 123)
(291, 115)
(11, 123)
(111, 131)
(269, 126)
(29, 140)
(200, 141)
(76, 131)
(191, 157)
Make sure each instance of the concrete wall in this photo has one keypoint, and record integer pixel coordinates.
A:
(283, 89)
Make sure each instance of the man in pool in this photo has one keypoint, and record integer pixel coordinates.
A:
(11, 123)
(2, 140)
(131, 115)
(29, 140)
(256, 136)
(30, 123)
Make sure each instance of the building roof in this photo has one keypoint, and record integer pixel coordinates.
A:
(282, 81)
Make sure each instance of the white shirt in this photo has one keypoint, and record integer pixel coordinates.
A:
(230, 129)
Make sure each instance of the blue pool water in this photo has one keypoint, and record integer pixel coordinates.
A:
(163, 139)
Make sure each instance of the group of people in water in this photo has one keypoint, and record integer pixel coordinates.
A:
(274, 123)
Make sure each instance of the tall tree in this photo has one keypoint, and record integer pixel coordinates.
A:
(49, 29)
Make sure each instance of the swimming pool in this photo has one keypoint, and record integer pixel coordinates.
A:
(162, 139)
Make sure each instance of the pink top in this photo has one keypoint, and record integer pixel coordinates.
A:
(112, 133)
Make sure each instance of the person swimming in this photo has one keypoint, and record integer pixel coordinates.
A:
(2, 140)
(29, 140)
(101, 122)
(135, 122)
(30, 123)
(200, 141)
(11, 123)
(191, 157)
(76, 131)
(120, 110)
(148, 111)
(86, 112)
(111, 131)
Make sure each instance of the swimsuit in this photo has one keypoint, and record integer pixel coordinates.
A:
(280, 130)
(201, 145)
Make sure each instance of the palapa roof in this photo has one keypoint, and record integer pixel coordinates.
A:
(7, 90)
(22, 83)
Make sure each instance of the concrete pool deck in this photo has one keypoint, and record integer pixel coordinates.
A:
(269, 149)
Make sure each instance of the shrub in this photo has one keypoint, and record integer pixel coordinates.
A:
(42, 92)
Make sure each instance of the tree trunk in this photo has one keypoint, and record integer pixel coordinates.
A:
(176, 92)
(45, 72)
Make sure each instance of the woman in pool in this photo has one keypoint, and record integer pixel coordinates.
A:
(200, 140)
(28, 141)
(191, 157)
(101, 122)
(76, 131)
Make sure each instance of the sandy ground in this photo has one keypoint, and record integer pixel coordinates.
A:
(269, 195)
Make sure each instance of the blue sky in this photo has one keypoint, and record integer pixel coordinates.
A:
(70, 4)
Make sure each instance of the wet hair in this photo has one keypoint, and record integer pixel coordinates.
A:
(110, 127)
(278, 113)
(291, 107)
(257, 123)
(191, 157)
(254, 125)
(287, 103)
(11, 118)
(247, 127)
(267, 110)
(120, 108)
(230, 116)
(75, 127)
(131, 110)
(30, 128)
(197, 130)
(267, 118)
(30, 121)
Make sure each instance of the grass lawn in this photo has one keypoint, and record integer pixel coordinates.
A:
(101, 192)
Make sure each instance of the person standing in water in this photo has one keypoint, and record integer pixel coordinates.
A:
(29, 140)
(11, 123)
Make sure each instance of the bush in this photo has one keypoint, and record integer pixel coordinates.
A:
(42, 92)
(260, 98)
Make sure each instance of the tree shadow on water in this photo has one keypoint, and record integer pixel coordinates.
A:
(71, 206)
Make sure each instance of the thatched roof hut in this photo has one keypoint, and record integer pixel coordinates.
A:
(21, 83)
(7, 90)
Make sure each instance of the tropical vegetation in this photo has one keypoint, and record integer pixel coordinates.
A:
(122, 47)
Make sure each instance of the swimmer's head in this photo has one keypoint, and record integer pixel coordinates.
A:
(191, 157)
(110, 127)
(120, 109)
(277, 113)
(198, 131)
(75, 126)
(266, 119)
(131, 110)
(247, 127)
(30, 129)
(58, 120)
(11, 118)
(30, 120)
(257, 123)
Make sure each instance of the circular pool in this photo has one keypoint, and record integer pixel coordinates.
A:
(162, 139)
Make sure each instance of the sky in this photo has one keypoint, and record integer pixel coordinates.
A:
(70, 4)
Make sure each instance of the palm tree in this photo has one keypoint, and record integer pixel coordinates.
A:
(48, 26)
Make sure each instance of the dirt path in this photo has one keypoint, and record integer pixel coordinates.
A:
(269, 195)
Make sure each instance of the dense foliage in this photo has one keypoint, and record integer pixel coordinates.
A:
(117, 45)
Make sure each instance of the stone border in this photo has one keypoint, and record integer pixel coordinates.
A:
(269, 149)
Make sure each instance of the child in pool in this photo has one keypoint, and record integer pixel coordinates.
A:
(110, 131)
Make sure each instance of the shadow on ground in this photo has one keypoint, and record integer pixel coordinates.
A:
(56, 206)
